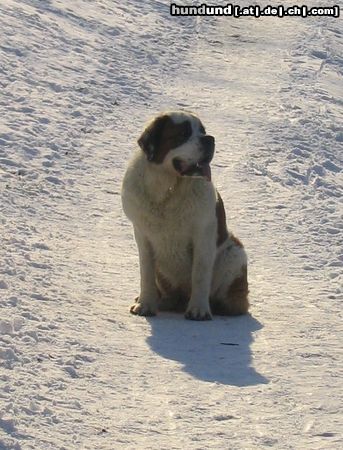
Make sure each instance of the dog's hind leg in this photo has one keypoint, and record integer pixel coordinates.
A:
(230, 297)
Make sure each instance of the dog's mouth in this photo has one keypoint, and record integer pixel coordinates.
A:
(200, 169)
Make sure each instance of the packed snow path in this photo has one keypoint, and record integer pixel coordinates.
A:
(78, 80)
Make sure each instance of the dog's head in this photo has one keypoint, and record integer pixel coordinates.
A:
(178, 142)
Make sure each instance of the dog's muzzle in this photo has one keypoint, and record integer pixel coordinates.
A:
(202, 167)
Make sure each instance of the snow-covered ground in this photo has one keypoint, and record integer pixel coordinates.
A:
(78, 80)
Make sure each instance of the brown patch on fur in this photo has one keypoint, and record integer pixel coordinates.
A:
(222, 233)
(171, 299)
(237, 298)
(162, 135)
(236, 240)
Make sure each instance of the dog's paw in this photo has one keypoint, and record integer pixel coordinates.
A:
(140, 309)
(198, 313)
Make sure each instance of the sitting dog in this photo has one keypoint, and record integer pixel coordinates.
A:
(188, 259)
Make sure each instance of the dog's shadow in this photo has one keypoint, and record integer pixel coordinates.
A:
(215, 351)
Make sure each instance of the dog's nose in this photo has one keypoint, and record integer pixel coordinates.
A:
(207, 143)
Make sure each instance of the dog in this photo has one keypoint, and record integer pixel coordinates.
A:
(188, 260)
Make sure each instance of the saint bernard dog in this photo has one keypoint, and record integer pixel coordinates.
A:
(188, 260)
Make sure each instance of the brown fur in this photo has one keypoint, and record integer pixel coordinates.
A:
(236, 240)
(170, 299)
(176, 300)
(237, 302)
(163, 135)
(222, 233)
(174, 135)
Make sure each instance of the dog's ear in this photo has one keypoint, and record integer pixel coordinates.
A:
(150, 139)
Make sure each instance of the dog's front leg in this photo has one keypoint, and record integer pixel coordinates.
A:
(146, 304)
(202, 271)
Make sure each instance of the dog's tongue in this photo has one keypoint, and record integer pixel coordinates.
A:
(206, 171)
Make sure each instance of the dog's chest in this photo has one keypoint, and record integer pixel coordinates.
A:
(171, 237)
(171, 221)
(168, 225)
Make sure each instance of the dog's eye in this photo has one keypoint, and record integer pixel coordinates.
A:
(202, 130)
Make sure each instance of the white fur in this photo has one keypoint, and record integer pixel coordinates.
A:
(175, 225)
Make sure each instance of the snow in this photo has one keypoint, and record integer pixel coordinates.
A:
(78, 81)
